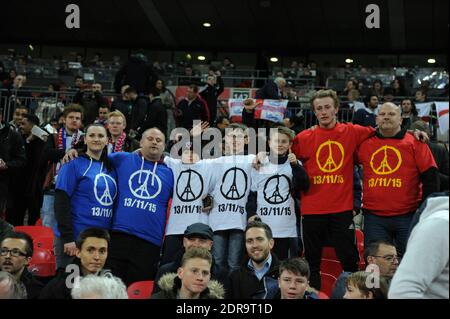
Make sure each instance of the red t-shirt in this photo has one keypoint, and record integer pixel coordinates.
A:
(327, 155)
(392, 168)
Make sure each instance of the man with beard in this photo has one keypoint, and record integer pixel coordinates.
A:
(257, 278)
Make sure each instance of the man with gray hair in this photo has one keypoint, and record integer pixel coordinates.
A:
(10, 288)
(272, 90)
(105, 286)
(399, 173)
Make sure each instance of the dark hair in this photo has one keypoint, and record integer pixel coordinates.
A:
(194, 88)
(220, 118)
(104, 157)
(368, 98)
(73, 108)
(259, 224)
(32, 119)
(92, 232)
(297, 266)
(21, 107)
(79, 77)
(413, 106)
(129, 90)
(372, 247)
(20, 235)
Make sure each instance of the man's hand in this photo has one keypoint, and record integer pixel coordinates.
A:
(198, 129)
(292, 158)
(249, 104)
(70, 249)
(207, 204)
(70, 156)
(421, 136)
(259, 160)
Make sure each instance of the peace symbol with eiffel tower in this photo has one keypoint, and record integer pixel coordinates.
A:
(388, 162)
(272, 188)
(334, 152)
(188, 183)
(230, 187)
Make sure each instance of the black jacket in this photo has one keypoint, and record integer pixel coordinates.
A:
(137, 73)
(245, 285)
(126, 107)
(187, 112)
(57, 288)
(210, 94)
(91, 103)
(156, 116)
(12, 152)
(32, 285)
(217, 272)
(440, 155)
(269, 91)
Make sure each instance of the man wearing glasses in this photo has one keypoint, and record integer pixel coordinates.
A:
(381, 255)
(15, 254)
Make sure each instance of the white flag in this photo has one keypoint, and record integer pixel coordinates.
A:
(442, 112)
(423, 109)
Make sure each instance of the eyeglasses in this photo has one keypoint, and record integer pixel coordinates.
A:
(390, 258)
(14, 252)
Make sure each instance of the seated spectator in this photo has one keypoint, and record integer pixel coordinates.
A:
(351, 85)
(294, 280)
(18, 115)
(381, 254)
(409, 113)
(102, 117)
(197, 235)
(10, 288)
(257, 278)
(119, 141)
(357, 287)
(398, 87)
(92, 250)
(15, 255)
(368, 115)
(272, 90)
(192, 280)
(424, 271)
(105, 286)
(91, 99)
(421, 96)
(377, 88)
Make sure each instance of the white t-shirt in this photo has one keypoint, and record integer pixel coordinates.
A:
(275, 204)
(231, 184)
(192, 184)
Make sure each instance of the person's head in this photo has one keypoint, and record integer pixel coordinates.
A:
(96, 138)
(222, 122)
(377, 85)
(96, 87)
(294, 278)
(198, 235)
(152, 144)
(12, 74)
(29, 120)
(382, 254)
(103, 113)
(79, 81)
(389, 119)
(371, 101)
(360, 285)
(10, 287)
(105, 286)
(351, 85)
(195, 271)
(160, 85)
(18, 114)
(19, 81)
(258, 241)
(129, 94)
(211, 80)
(421, 95)
(192, 92)
(280, 82)
(235, 135)
(280, 140)
(92, 249)
(73, 115)
(188, 155)
(116, 123)
(325, 105)
(421, 126)
(408, 107)
(16, 250)
(188, 71)
(353, 95)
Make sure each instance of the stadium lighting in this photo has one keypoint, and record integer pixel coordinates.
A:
(31, 47)
(274, 59)
(188, 56)
(201, 58)
(206, 24)
(431, 61)
(348, 60)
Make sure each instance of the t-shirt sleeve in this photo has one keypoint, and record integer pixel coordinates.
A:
(424, 157)
(67, 178)
(362, 133)
(116, 158)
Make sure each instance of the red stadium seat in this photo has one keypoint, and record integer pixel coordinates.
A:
(360, 245)
(328, 282)
(35, 231)
(140, 290)
(328, 252)
(332, 267)
(322, 295)
(44, 242)
(43, 263)
(38, 222)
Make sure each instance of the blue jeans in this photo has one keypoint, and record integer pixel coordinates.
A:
(48, 211)
(228, 248)
(394, 229)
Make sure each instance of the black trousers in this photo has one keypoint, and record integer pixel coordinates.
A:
(20, 205)
(340, 230)
(282, 247)
(132, 258)
(172, 245)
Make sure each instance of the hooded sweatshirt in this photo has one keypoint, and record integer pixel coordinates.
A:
(424, 270)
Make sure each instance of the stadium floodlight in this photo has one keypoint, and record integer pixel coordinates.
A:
(348, 60)
(206, 24)
(201, 58)
(431, 61)
(274, 59)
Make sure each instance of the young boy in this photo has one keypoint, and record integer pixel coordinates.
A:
(272, 188)
(294, 280)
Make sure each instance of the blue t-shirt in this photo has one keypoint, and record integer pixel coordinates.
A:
(92, 190)
(144, 192)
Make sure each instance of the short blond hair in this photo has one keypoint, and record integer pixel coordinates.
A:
(325, 93)
(281, 129)
(117, 113)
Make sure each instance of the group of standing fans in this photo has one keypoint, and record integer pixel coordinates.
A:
(230, 226)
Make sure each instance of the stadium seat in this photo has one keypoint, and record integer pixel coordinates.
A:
(328, 282)
(35, 231)
(140, 290)
(328, 252)
(332, 267)
(360, 245)
(43, 263)
(322, 295)
(44, 242)
(38, 222)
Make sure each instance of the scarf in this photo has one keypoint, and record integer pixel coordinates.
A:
(62, 136)
(117, 147)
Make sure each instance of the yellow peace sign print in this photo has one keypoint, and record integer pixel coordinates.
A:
(386, 160)
(330, 162)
